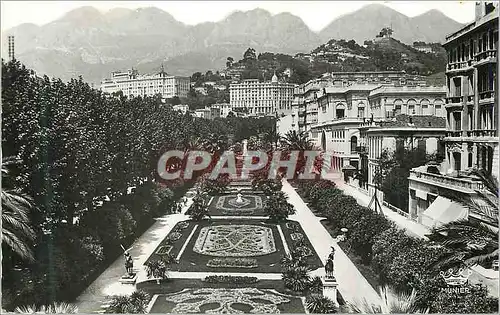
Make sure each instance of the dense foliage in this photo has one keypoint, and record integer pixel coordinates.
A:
(89, 164)
(392, 176)
(401, 261)
(277, 207)
(136, 303)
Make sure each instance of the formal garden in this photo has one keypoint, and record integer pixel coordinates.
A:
(80, 186)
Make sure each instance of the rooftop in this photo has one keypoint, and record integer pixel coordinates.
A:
(403, 120)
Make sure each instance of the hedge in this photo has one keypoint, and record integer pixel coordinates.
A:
(401, 261)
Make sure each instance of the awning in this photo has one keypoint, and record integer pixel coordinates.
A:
(441, 211)
(421, 194)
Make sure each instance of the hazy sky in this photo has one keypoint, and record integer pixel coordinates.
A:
(316, 14)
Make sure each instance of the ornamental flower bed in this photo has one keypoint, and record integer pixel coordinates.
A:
(296, 236)
(232, 263)
(164, 250)
(174, 236)
(293, 226)
(231, 279)
(182, 225)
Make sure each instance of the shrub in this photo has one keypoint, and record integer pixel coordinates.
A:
(319, 304)
(316, 286)
(199, 208)
(136, 303)
(231, 279)
(296, 278)
(278, 208)
(471, 299)
(157, 269)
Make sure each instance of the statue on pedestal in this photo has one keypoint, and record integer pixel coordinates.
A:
(129, 263)
(329, 265)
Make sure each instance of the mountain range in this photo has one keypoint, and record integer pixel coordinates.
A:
(89, 43)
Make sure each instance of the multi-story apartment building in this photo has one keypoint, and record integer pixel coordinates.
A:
(261, 98)
(375, 77)
(131, 83)
(471, 140)
(342, 110)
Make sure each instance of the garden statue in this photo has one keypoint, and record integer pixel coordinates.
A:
(238, 197)
(129, 263)
(329, 265)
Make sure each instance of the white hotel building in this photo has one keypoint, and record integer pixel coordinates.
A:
(261, 98)
(133, 84)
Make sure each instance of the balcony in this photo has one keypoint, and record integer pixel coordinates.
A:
(456, 183)
(454, 133)
(454, 100)
(486, 96)
(484, 133)
(461, 65)
(487, 56)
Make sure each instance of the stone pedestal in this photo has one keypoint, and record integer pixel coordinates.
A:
(330, 289)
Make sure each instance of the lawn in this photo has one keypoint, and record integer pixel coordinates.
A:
(166, 289)
(241, 253)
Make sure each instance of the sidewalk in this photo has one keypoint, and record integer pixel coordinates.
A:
(108, 283)
(479, 274)
(351, 283)
(413, 228)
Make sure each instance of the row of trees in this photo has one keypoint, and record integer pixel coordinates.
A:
(82, 179)
(403, 262)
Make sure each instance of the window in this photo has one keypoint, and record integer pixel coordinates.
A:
(354, 144)
(361, 112)
(457, 82)
(340, 112)
(458, 160)
(411, 107)
(457, 117)
(397, 107)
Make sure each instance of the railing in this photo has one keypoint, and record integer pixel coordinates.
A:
(454, 133)
(448, 181)
(454, 99)
(396, 209)
(459, 65)
(490, 53)
(486, 94)
(484, 133)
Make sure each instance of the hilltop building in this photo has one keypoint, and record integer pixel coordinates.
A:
(261, 98)
(131, 83)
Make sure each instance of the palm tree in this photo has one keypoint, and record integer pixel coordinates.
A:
(136, 303)
(16, 230)
(296, 278)
(390, 303)
(55, 308)
(466, 242)
(319, 304)
(294, 140)
(470, 242)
